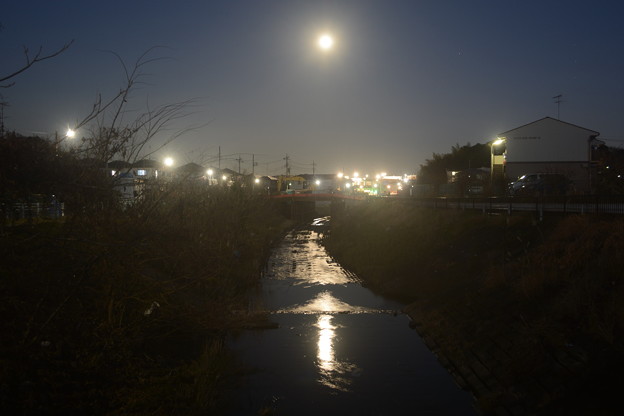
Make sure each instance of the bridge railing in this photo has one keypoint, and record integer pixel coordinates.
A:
(567, 204)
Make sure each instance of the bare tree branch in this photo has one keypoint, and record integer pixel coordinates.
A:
(30, 61)
(111, 136)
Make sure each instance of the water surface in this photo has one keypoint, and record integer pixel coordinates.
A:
(339, 349)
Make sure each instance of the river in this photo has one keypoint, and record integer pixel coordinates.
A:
(339, 349)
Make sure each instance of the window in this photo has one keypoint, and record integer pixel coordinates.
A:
(141, 172)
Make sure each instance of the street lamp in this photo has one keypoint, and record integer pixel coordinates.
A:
(497, 158)
(69, 134)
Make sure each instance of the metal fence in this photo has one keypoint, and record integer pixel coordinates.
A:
(568, 204)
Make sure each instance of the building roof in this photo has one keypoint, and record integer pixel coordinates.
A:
(191, 168)
(594, 133)
(147, 163)
(118, 164)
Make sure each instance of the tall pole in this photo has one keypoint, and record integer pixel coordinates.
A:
(239, 163)
(219, 158)
(557, 99)
(2, 105)
(287, 167)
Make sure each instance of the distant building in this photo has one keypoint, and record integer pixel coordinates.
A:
(546, 146)
(190, 171)
(322, 182)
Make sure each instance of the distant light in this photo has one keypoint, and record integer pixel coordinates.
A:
(224, 178)
(257, 180)
(340, 174)
(168, 161)
(355, 174)
(318, 182)
(70, 133)
(209, 172)
(348, 185)
(498, 141)
(325, 42)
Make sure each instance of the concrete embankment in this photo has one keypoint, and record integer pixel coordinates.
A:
(527, 315)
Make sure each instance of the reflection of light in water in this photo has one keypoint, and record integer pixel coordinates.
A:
(325, 342)
(303, 259)
(333, 373)
(327, 303)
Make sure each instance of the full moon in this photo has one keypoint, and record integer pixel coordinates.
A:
(325, 42)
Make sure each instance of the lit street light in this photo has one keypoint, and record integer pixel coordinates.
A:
(69, 134)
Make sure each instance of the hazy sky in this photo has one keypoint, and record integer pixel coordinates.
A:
(406, 78)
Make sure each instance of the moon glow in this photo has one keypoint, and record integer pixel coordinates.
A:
(325, 42)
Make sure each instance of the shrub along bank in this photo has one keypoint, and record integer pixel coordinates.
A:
(528, 315)
(125, 311)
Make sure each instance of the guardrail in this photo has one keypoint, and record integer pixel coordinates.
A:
(568, 204)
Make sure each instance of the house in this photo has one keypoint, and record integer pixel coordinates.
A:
(547, 145)
(191, 171)
(148, 169)
(322, 182)
(130, 179)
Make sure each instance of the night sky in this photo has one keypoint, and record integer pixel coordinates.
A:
(404, 79)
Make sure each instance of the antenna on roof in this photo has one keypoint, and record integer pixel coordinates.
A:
(558, 100)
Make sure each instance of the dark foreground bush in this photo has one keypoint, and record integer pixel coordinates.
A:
(124, 312)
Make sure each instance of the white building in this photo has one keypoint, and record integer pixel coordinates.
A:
(547, 145)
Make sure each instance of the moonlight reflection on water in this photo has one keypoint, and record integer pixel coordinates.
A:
(339, 348)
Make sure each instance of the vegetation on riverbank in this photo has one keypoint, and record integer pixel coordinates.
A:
(532, 311)
(125, 311)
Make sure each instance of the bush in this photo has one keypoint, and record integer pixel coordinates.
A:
(121, 313)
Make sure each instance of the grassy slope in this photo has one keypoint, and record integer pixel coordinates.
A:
(539, 304)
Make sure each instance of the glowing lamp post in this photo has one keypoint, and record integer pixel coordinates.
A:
(497, 160)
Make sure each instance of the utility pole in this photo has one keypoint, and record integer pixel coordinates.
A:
(558, 100)
(2, 105)
(313, 168)
(287, 166)
(239, 163)
(219, 159)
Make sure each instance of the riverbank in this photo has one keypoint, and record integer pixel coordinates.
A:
(528, 315)
(126, 311)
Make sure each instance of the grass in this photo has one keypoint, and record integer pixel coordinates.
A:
(481, 284)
